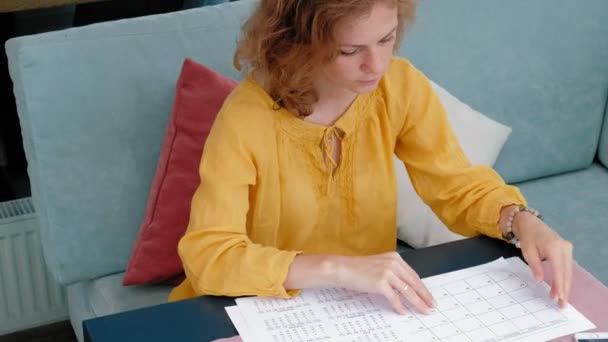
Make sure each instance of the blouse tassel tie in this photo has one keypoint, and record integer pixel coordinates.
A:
(329, 149)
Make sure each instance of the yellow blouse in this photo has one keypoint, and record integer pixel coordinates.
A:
(266, 192)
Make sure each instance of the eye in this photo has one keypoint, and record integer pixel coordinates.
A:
(348, 53)
(387, 39)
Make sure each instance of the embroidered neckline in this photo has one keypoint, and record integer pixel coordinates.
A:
(308, 134)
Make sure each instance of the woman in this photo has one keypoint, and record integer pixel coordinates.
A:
(298, 186)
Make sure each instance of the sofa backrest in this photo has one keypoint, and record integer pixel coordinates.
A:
(540, 67)
(94, 103)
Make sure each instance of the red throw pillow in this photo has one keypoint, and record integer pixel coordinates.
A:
(200, 93)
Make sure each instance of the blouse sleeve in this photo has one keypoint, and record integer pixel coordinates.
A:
(466, 198)
(218, 256)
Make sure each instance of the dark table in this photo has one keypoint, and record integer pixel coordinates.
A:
(204, 319)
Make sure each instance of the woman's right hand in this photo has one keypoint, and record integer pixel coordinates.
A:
(386, 274)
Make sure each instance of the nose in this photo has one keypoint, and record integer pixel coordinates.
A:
(373, 62)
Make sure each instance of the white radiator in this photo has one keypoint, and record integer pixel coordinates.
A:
(29, 296)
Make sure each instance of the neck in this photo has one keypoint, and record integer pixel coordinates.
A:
(332, 104)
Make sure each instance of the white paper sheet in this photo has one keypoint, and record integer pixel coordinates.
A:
(497, 301)
(240, 323)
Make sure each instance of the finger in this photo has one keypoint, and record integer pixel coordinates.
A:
(410, 295)
(408, 275)
(532, 257)
(562, 282)
(417, 287)
(562, 296)
(568, 262)
(391, 293)
(557, 284)
(570, 277)
(553, 293)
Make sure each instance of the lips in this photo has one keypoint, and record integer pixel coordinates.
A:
(374, 80)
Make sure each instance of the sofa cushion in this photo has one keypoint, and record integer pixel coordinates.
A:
(94, 103)
(481, 139)
(106, 296)
(574, 204)
(200, 92)
(521, 64)
(603, 149)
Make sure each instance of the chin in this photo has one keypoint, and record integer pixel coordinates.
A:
(364, 90)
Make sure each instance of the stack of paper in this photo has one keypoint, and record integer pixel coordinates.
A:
(497, 301)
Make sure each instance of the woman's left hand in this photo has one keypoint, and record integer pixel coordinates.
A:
(539, 242)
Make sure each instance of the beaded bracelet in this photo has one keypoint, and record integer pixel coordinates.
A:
(510, 236)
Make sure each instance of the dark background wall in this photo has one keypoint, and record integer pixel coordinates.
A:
(13, 166)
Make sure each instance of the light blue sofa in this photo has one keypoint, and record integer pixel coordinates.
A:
(94, 102)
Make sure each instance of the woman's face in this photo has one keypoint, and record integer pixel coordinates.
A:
(365, 49)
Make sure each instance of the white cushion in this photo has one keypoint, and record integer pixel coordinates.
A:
(481, 139)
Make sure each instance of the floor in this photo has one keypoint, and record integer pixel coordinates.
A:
(57, 332)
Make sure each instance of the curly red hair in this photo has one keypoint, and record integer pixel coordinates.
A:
(285, 43)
